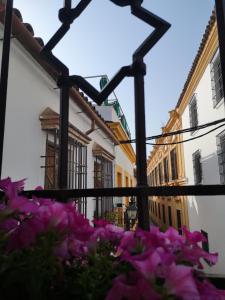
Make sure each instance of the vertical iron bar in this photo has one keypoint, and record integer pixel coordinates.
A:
(67, 4)
(55, 155)
(220, 15)
(4, 73)
(142, 201)
(85, 180)
(63, 139)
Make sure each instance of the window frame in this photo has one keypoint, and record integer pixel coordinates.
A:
(77, 165)
(103, 178)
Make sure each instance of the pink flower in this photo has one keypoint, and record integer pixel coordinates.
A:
(21, 237)
(131, 287)
(193, 237)
(100, 223)
(16, 202)
(147, 267)
(180, 282)
(209, 292)
(9, 224)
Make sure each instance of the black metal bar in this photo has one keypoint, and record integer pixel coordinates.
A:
(76, 12)
(4, 73)
(220, 15)
(140, 132)
(63, 138)
(161, 26)
(191, 190)
(137, 70)
(67, 4)
(56, 38)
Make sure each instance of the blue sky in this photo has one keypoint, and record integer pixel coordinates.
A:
(105, 36)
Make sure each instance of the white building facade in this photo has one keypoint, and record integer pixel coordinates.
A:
(32, 128)
(201, 102)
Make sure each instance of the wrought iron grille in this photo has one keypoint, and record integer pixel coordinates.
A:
(136, 70)
(77, 166)
(103, 178)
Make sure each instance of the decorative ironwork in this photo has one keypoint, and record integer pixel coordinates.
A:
(137, 70)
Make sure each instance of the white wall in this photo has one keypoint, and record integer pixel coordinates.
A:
(30, 91)
(108, 113)
(206, 213)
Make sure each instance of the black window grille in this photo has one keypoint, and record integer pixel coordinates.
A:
(166, 169)
(160, 173)
(77, 166)
(179, 221)
(152, 179)
(170, 216)
(103, 178)
(216, 80)
(164, 213)
(197, 167)
(193, 112)
(173, 160)
(221, 155)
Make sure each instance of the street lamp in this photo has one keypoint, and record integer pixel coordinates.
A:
(131, 213)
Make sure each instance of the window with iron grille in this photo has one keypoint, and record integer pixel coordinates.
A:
(179, 222)
(221, 155)
(170, 216)
(77, 166)
(103, 178)
(216, 79)
(159, 210)
(173, 160)
(193, 113)
(164, 213)
(154, 175)
(197, 167)
(166, 169)
(160, 173)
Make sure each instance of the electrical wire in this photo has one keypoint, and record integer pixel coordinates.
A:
(188, 140)
(191, 129)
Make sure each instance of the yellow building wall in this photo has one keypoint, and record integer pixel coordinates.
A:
(156, 157)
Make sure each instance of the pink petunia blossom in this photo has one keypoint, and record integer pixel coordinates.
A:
(180, 282)
(131, 287)
(208, 292)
